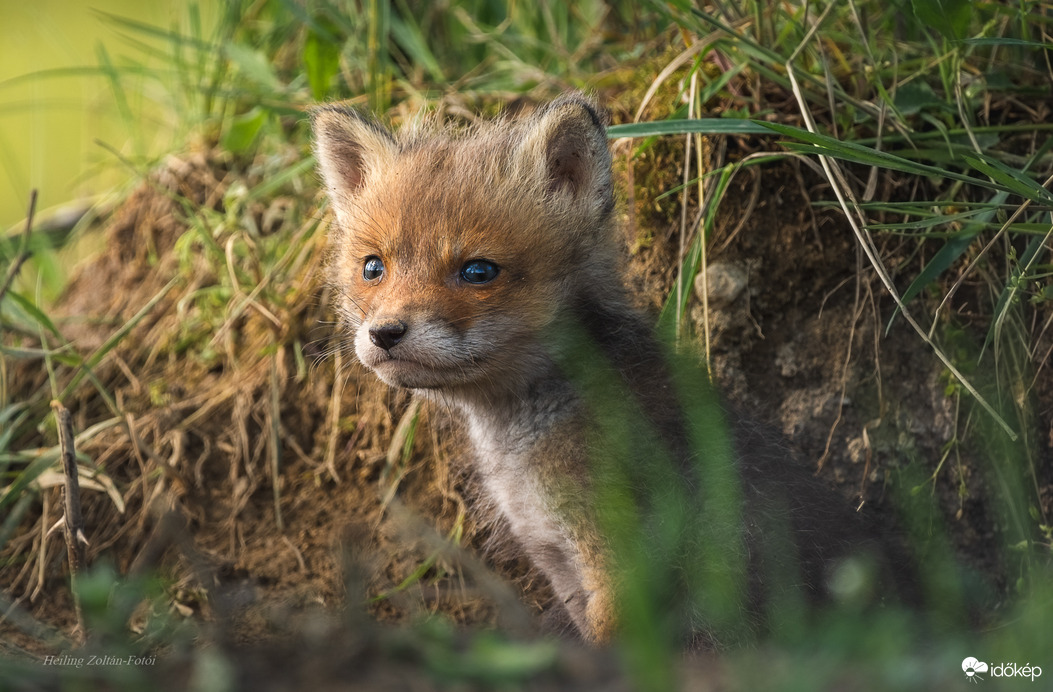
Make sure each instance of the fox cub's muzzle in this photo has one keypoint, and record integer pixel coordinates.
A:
(387, 333)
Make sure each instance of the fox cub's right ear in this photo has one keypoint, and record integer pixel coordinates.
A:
(350, 149)
(565, 145)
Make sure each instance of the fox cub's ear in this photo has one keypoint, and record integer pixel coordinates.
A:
(350, 149)
(566, 145)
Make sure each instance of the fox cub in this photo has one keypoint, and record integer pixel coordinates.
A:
(471, 267)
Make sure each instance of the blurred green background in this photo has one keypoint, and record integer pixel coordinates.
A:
(59, 112)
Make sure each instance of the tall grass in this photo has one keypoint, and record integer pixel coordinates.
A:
(905, 94)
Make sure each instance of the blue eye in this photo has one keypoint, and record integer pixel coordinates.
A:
(373, 268)
(479, 272)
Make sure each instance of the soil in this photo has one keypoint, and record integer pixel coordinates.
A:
(266, 479)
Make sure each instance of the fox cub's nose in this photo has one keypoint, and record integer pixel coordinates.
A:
(387, 333)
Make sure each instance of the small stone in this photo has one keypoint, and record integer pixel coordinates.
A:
(725, 282)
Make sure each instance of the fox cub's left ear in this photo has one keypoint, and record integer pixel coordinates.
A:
(565, 144)
(351, 150)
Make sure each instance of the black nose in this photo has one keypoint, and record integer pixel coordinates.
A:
(386, 334)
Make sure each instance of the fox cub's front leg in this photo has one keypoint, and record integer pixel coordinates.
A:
(548, 510)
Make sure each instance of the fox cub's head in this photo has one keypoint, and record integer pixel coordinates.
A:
(455, 255)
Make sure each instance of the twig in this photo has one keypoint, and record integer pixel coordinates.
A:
(334, 422)
(74, 520)
(275, 441)
(24, 254)
(685, 193)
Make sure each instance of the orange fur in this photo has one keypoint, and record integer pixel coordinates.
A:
(532, 198)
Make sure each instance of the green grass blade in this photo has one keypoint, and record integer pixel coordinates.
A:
(944, 258)
(38, 466)
(254, 65)
(814, 143)
(928, 221)
(705, 126)
(243, 130)
(53, 73)
(35, 313)
(321, 59)
(12, 520)
(275, 182)
(1015, 181)
(1007, 41)
(40, 462)
(674, 310)
(1011, 291)
(407, 33)
(145, 29)
(668, 318)
(113, 75)
(12, 418)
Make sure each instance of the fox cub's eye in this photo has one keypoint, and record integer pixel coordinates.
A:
(373, 268)
(479, 272)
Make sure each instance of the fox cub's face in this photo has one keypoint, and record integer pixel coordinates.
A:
(456, 254)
